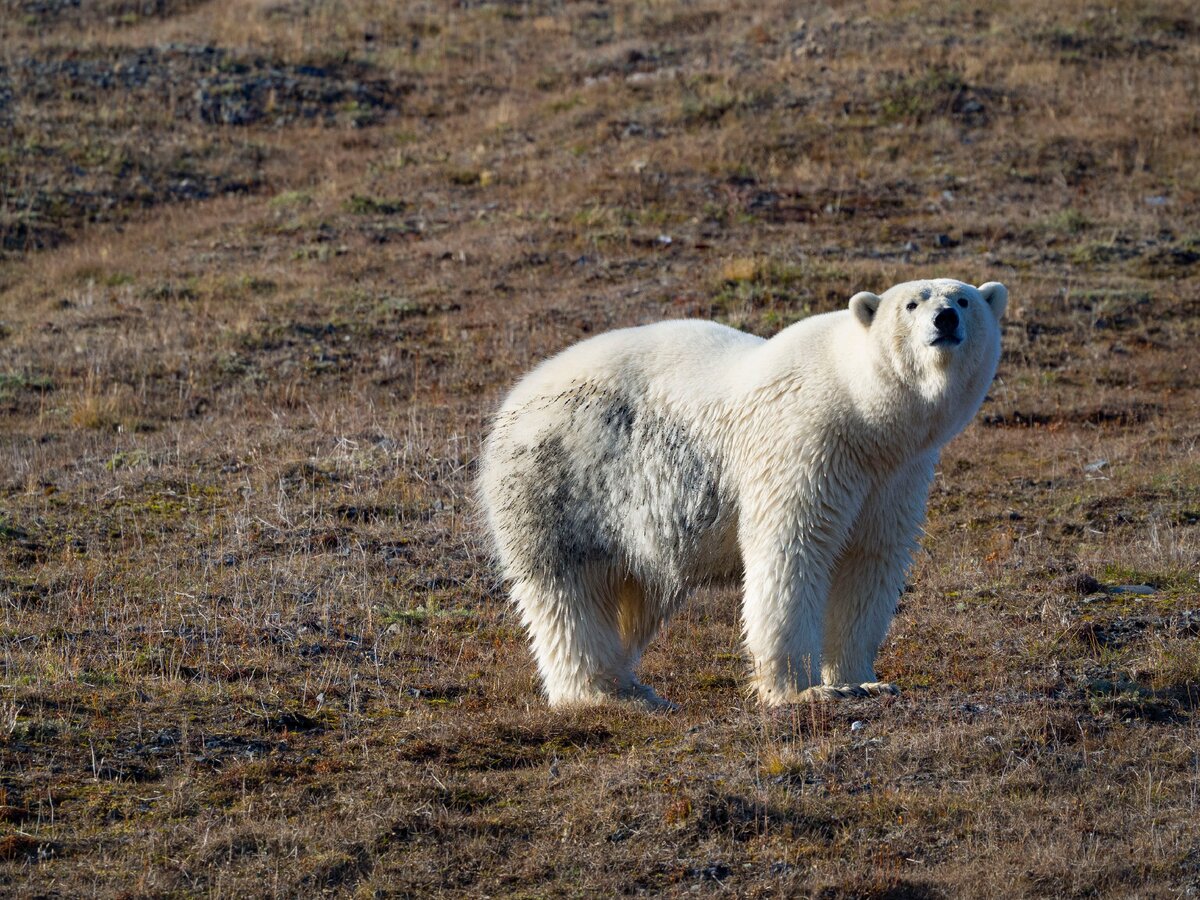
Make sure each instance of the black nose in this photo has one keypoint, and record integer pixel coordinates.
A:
(946, 321)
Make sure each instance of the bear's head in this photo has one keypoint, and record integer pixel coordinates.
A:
(941, 337)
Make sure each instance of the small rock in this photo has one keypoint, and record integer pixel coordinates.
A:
(911, 247)
(1187, 622)
(1079, 583)
(857, 725)
(944, 241)
(1133, 589)
(1095, 466)
(714, 871)
(1156, 200)
(623, 832)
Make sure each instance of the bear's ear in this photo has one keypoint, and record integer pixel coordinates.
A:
(996, 296)
(864, 305)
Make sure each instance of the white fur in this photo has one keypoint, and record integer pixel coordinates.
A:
(641, 463)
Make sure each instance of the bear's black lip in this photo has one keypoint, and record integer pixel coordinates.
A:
(946, 340)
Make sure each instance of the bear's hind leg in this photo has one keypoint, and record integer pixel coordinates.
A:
(640, 616)
(573, 632)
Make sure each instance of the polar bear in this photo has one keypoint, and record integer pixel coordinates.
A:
(644, 462)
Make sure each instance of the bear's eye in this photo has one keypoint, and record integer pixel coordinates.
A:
(911, 306)
(962, 301)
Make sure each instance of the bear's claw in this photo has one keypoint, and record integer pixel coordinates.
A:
(879, 688)
(825, 692)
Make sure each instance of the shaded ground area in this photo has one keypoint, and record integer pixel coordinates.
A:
(266, 268)
(92, 135)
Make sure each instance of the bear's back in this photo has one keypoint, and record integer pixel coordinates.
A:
(680, 357)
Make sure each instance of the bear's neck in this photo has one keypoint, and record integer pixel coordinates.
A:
(908, 413)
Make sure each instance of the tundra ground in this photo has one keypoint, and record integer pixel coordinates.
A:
(268, 266)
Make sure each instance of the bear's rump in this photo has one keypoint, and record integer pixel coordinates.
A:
(595, 477)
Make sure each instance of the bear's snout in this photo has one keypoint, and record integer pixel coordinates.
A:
(946, 320)
(946, 323)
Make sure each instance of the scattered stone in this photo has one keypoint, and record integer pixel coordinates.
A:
(1143, 589)
(857, 725)
(623, 833)
(714, 871)
(1116, 685)
(972, 708)
(1079, 583)
(1186, 622)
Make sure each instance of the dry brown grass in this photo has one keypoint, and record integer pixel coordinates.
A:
(251, 643)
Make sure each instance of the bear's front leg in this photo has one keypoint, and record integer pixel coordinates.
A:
(869, 577)
(788, 553)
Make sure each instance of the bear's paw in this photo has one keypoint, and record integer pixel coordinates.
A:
(823, 693)
(646, 697)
